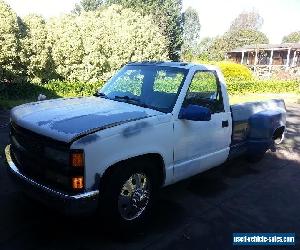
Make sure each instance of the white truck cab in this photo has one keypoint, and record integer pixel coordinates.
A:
(151, 125)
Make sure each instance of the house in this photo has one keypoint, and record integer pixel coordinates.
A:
(267, 60)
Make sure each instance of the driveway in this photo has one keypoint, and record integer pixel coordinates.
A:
(199, 213)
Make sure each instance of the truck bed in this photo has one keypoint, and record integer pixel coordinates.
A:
(241, 114)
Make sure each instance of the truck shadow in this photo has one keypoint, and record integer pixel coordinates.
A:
(175, 208)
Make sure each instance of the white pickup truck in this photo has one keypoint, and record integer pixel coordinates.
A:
(151, 125)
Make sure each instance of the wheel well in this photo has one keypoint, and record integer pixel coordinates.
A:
(278, 132)
(159, 167)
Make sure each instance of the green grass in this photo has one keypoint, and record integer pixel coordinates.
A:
(287, 97)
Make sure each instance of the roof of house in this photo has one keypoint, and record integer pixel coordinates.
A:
(267, 47)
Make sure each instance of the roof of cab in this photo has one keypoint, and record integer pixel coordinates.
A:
(184, 65)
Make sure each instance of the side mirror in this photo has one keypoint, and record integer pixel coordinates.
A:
(195, 113)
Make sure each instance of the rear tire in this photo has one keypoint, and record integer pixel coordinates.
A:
(128, 194)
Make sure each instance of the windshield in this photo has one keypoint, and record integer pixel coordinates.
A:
(155, 87)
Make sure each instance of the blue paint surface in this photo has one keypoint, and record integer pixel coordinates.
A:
(81, 123)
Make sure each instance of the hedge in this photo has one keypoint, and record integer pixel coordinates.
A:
(263, 86)
(55, 89)
(231, 70)
(88, 47)
(52, 89)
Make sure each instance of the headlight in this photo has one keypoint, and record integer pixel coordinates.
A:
(57, 155)
(77, 158)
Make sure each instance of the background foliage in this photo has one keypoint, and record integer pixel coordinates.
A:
(191, 33)
(73, 54)
(166, 14)
(88, 47)
(11, 67)
(231, 71)
(293, 37)
(244, 30)
(262, 86)
(234, 71)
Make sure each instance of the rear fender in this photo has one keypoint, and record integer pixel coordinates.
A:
(262, 129)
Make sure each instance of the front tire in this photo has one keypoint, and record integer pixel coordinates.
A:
(128, 194)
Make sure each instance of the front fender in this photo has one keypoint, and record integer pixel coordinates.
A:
(110, 146)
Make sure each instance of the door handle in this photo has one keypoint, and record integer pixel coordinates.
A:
(225, 124)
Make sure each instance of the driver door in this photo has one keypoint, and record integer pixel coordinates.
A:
(200, 145)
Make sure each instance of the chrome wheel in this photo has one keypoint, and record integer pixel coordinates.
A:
(134, 196)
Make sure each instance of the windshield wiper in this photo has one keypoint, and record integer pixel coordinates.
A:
(131, 100)
(127, 98)
(100, 94)
(135, 101)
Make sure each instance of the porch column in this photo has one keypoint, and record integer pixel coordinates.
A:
(256, 57)
(294, 59)
(288, 59)
(255, 60)
(248, 53)
(271, 61)
(243, 54)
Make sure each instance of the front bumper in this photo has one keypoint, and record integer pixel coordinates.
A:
(83, 203)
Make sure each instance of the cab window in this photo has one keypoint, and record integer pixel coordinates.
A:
(205, 91)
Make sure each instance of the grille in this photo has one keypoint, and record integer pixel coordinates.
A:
(28, 141)
(28, 153)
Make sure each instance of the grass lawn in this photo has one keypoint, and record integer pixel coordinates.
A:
(288, 97)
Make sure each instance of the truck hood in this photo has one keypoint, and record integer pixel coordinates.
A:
(66, 119)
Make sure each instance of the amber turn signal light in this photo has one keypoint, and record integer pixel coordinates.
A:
(77, 159)
(77, 182)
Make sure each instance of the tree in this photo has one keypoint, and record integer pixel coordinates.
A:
(293, 37)
(91, 46)
(250, 20)
(214, 49)
(87, 5)
(191, 31)
(67, 50)
(35, 52)
(114, 36)
(203, 48)
(218, 46)
(10, 66)
(239, 38)
(244, 30)
(166, 14)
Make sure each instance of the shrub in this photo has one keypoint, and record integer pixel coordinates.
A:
(35, 52)
(233, 70)
(70, 89)
(92, 46)
(52, 89)
(55, 89)
(236, 87)
(79, 48)
(10, 67)
(230, 70)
